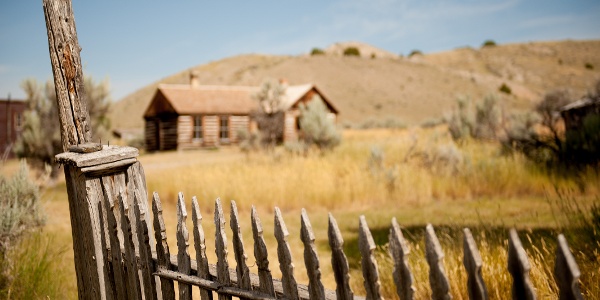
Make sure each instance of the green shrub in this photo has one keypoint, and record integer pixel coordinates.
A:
(317, 51)
(589, 66)
(488, 43)
(415, 52)
(481, 121)
(32, 270)
(316, 125)
(351, 51)
(20, 207)
(505, 89)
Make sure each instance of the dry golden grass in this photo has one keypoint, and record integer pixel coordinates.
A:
(422, 178)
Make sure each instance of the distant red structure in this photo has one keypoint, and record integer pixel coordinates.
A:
(11, 119)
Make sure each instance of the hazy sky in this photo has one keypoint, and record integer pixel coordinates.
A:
(134, 43)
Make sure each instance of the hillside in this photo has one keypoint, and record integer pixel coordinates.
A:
(411, 89)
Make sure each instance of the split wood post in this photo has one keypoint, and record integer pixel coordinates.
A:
(106, 186)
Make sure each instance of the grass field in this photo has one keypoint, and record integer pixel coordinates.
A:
(417, 175)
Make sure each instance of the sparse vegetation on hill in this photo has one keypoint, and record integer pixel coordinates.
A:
(351, 51)
(411, 90)
(317, 51)
(489, 43)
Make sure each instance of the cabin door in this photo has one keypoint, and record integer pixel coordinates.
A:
(157, 134)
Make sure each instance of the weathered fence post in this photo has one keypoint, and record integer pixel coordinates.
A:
(105, 185)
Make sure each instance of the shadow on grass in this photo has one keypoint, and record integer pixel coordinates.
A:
(451, 238)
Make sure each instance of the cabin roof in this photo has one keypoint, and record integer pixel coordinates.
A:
(185, 99)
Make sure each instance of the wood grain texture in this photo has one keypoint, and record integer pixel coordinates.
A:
(473, 262)
(223, 276)
(200, 246)
(370, 271)
(399, 251)
(163, 257)
(339, 262)
(311, 258)
(518, 267)
(284, 254)
(261, 256)
(129, 258)
(183, 255)
(108, 154)
(440, 286)
(243, 273)
(566, 272)
(65, 59)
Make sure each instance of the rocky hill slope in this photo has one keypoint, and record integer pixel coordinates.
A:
(411, 89)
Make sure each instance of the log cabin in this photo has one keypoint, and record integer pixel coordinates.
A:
(191, 116)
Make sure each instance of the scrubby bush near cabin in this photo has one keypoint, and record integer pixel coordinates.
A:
(480, 121)
(316, 125)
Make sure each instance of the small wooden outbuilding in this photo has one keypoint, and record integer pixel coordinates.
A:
(182, 116)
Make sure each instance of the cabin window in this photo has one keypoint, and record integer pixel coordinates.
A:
(224, 128)
(198, 130)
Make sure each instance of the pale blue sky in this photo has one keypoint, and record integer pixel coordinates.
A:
(135, 43)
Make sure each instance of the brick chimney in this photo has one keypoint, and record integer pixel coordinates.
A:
(194, 81)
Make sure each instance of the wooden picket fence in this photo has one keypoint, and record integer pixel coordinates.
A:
(140, 272)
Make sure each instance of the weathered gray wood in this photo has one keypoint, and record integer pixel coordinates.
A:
(115, 235)
(221, 249)
(339, 262)
(366, 246)
(109, 167)
(290, 287)
(311, 258)
(85, 148)
(302, 289)
(109, 283)
(261, 256)
(200, 246)
(183, 256)
(214, 286)
(566, 272)
(145, 256)
(109, 154)
(64, 51)
(399, 251)
(472, 261)
(162, 248)
(243, 273)
(518, 267)
(133, 281)
(440, 286)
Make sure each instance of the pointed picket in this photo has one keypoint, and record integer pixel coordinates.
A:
(440, 286)
(311, 259)
(366, 245)
(518, 267)
(472, 261)
(261, 256)
(403, 277)
(183, 255)
(163, 257)
(243, 273)
(221, 249)
(200, 246)
(290, 287)
(339, 262)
